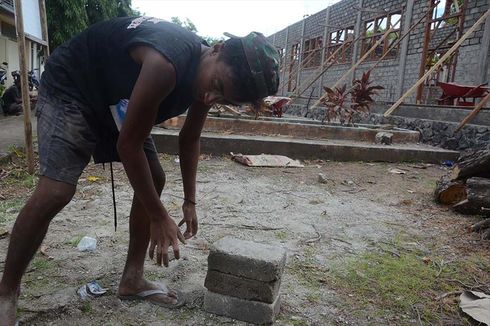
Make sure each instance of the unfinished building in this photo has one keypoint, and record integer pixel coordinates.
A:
(401, 40)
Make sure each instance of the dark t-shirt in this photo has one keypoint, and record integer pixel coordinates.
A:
(95, 67)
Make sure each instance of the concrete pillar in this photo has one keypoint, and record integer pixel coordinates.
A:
(483, 61)
(404, 48)
(285, 65)
(300, 56)
(325, 45)
(357, 32)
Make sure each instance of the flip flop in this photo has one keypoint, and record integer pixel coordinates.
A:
(146, 296)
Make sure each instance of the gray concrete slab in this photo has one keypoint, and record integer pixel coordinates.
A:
(166, 141)
(252, 260)
(250, 311)
(241, 287)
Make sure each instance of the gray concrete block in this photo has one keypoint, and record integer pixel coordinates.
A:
(385, 138)
(241, 287)
(250, 311)
(247, 259)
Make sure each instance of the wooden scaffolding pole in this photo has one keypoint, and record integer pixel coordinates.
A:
(361, 60)
(44, 25)
(474, 112)
(439, 63)
(21, 39)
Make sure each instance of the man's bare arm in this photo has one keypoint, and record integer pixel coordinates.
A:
(155, 81)
(189, 149)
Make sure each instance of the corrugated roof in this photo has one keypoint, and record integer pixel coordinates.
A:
(7, 5)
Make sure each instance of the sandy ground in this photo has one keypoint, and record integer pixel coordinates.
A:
(360, 206)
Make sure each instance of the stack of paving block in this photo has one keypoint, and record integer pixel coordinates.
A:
(243, 280)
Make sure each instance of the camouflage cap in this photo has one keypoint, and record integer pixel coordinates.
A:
(263, 61)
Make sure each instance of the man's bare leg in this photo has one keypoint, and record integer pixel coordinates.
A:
(132, 280)
(48, 199)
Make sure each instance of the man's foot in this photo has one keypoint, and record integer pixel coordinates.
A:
(8, 310)
(154, 293)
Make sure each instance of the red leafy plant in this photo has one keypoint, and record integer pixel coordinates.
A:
(361, 95)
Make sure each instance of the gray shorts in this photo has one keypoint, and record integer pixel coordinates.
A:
(67, 141)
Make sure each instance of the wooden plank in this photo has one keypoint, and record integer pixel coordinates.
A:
(474, 112)
(438, 64)
(44, 24)
(425, 50)
(21, 40)
(35, 39)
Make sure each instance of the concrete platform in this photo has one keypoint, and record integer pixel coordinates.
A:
(296, 128)
(166, 141)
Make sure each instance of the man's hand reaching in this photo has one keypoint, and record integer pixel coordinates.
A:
(164, 233)
(190, 219)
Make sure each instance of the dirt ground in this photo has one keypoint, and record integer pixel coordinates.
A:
(353, 241)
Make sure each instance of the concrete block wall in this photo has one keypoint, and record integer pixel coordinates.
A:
(387, 74)
(314, 27)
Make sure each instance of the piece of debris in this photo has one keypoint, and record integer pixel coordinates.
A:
(87, 244)
(93, 178)
(397, 171)
(385, 138)
(315, 202)
(420, 166)
(4, 233)
(322, 178)
(347, 182)
(265, 160)
(198, 244)
(12, 210)
(476, 305)
(91, 290)
(448, 163)
(43, 251)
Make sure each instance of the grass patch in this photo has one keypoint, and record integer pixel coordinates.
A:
(394, 285)
(17, 174)
(86, 307)
(314, 297)
(281, 235)
(308, 271)
(42, 264)
(8, 205)
(74, 241)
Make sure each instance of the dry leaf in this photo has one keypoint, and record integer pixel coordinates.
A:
(93, 178)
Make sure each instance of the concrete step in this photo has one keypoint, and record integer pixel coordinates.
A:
(303, 129)
(166, 141)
